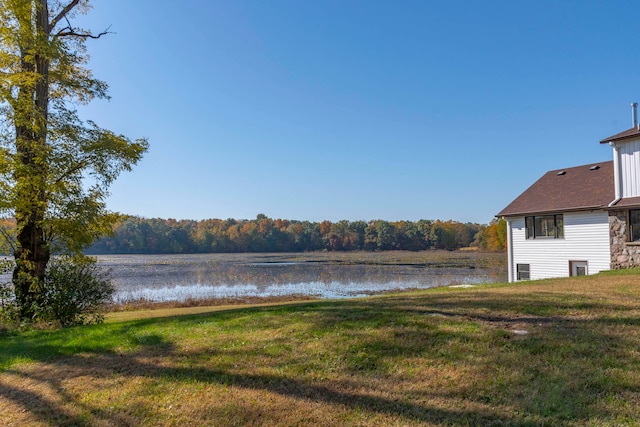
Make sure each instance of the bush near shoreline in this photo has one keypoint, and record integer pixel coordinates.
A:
(552, 352)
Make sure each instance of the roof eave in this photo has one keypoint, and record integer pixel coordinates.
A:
(623, 206)
(627, 134)
(554, 211)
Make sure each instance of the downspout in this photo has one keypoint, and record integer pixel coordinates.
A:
(509, 251)
(616, 173)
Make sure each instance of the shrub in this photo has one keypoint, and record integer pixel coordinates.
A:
(8, 309)
(76, 291)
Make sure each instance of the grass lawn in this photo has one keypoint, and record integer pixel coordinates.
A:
(553, 352)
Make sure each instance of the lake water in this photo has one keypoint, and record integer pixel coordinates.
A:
(161, 278)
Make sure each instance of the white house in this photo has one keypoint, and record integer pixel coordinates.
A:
(579, 220)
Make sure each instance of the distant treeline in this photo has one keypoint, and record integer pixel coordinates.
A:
(263, 234)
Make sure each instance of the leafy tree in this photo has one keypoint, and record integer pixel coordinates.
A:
(311, 237)
(334, 242)
(380, 235)
(387, 236)
(410, 236)
(424, 228)
(443, 235)
(371, 237)
(46, 150)
(359, 228)
(492, 237)
(342, 237)
(263, 234)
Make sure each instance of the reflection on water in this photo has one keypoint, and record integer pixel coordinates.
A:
(181, 277)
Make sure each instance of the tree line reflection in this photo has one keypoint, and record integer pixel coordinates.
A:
(135, 273)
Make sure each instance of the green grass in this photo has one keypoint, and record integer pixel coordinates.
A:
(552, 352)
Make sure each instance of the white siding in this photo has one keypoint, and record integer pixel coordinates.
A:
(586, 238)
(630, 167)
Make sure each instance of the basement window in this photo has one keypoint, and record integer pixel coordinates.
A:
(545, 227)
(522, 271)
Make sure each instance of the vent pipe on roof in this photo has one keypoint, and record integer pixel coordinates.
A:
(634, 112)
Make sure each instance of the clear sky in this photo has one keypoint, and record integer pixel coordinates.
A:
(358, 110)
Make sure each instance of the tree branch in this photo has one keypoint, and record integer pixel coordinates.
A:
(9, 239)
(62, 14)
(72, 170)
(68, 31)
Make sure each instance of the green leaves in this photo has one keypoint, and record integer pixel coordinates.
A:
(55, 169)
(51, 161)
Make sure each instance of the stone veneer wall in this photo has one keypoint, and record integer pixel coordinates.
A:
(623, 255)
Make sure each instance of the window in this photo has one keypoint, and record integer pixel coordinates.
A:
(578, 268)
(634, 225)
(547, 226)
(522, 271)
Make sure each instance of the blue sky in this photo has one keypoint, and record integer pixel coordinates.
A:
(392, 110)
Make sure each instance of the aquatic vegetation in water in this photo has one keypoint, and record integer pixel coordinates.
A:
(181, 277)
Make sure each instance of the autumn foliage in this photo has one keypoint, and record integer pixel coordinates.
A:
(493, 237)
(264, 234)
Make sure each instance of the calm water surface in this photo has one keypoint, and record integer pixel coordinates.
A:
(181, 277)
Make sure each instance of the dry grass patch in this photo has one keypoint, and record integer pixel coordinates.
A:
(435, 357)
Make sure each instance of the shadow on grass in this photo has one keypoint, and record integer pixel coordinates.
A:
(104, 366)
(561, 371)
